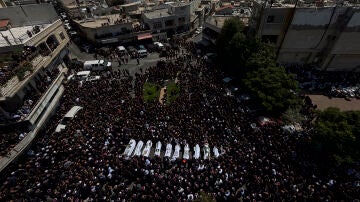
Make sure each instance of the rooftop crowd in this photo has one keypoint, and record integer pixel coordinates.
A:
(85, 161)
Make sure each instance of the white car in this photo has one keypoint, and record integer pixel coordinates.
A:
(92, 78)
(63, 15)
(67, 26)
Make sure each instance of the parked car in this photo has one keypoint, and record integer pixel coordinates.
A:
(67, 26)
(151, 47)
(73, 33)
(132, 51)
(96, 65)
(63, 15)
(121, 50)
(142, 53)
(159, 46)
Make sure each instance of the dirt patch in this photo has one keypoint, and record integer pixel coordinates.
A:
(324, 102)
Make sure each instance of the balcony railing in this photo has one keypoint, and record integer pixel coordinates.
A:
(27, 140)
(45, 98)
(43, 34)
(12, 86)
(33, 99)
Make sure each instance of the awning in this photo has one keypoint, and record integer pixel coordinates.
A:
(144, 36)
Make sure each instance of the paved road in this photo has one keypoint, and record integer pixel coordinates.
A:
(132, 65)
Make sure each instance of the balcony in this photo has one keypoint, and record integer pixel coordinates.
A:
(47, 51)
(45, 98)
(35, 99)
(42, 35)
(24, 143)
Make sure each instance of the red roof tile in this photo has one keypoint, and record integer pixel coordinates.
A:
(4, 23)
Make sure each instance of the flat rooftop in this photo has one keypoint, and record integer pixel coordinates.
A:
(218, 21)
(18, 35)
(72, 3)
(157, 14)
(303, 4)
(100, 21)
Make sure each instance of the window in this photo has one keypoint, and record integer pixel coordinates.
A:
(274, 19)
(270, 38)
(181, 20)
(62, 36)
(169, 23)
(157, 25)
(270, 19)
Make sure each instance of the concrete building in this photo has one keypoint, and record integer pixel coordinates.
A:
(325, 35)
(113, 29)
(32, 70)
(172, 17)
(2, 4)
(213, 24)
(85, 9)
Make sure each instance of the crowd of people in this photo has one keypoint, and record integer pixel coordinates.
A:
(85, 161)
(335, 84)
(32, 96)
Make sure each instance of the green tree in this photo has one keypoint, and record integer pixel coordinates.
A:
(337, 134)
(293, 115)
(151, 92)
(261, 56)
(273, 87)
(231, 27)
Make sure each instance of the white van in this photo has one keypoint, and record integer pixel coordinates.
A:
(83, 75)
(96, 65)
(121, 50)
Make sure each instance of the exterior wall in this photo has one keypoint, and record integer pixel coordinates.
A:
(349, 40)
(308, 29)
(224, 11)
(39, 62)
(118, 31)
(348, 62)
(321, 36)
(183, 11)
(276, 27)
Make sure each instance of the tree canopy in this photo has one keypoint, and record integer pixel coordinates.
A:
(338, 135)
(274, 88)
(255, 63)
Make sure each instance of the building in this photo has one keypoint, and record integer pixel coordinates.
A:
(225, 10)
(84, 9)
(113, 28)
(322, 34)
(33, 44)
(2, 4)
(171, 18)
(213, 24)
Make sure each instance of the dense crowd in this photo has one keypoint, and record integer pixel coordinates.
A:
(326, 81)
(85, 161)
